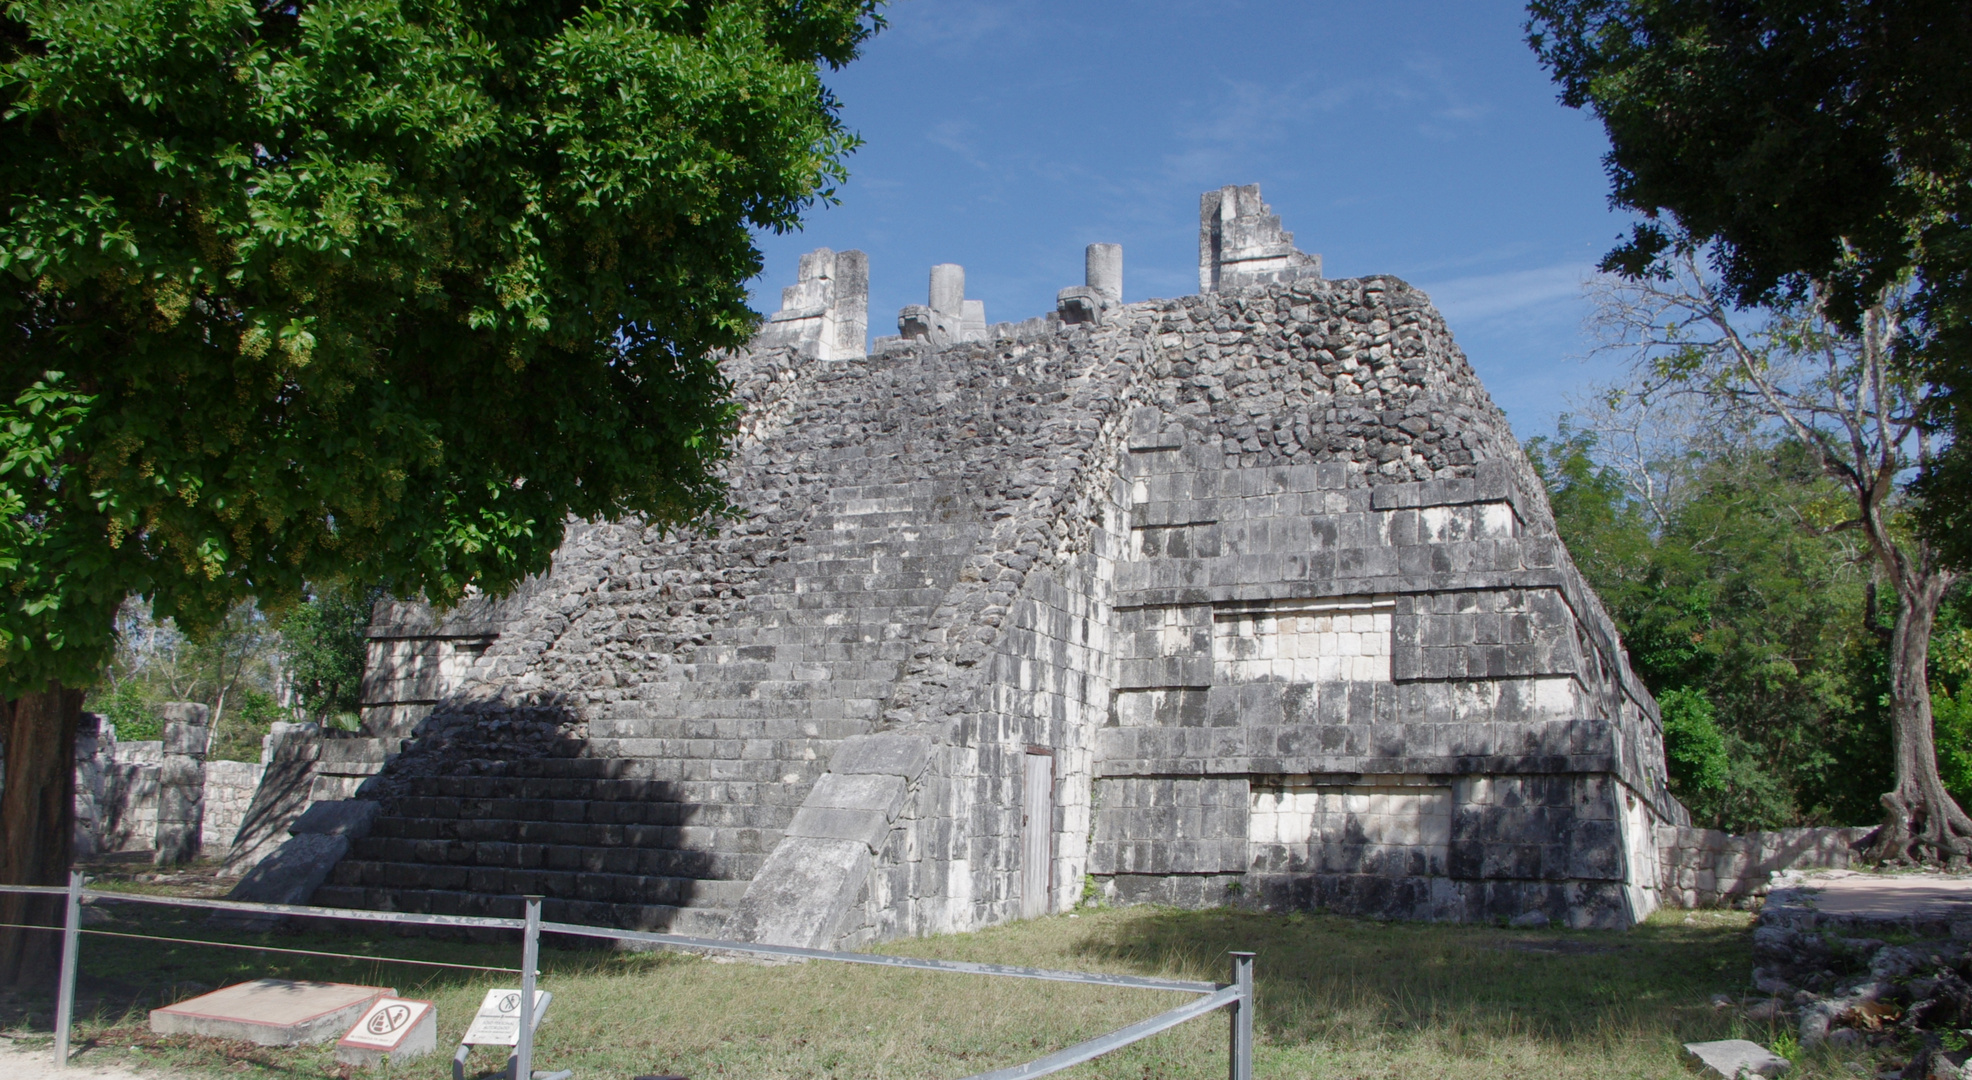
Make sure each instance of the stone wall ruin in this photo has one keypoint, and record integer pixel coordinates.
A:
(1260, 572)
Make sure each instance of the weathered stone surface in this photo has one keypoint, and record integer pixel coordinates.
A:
(181, 783)
(802, 893)
(350, 818)
(1262, 571)
(1732, 1059)
(880, 793)
(270, 1012)
(293, 872)
(286, 780)
(892, 755)
(825, 315)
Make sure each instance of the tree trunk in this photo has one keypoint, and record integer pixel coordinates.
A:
(1922, 823)
(37, 827)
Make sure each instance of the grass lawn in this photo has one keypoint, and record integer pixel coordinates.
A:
(1338, 998)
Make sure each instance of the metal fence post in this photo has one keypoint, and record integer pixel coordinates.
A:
(1240, 1067)
(530, 953)
(65, 993)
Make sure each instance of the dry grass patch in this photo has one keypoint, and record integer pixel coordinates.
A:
(1339, 998)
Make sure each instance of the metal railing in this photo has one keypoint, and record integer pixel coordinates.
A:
(1236, 996)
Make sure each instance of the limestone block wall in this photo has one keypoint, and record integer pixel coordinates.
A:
(1260, 574)
(116, 790)
(229, 791)
(1710, 868)
(117, 793)
(417, 656)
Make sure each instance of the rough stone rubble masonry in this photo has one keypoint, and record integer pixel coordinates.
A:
(1261, 572)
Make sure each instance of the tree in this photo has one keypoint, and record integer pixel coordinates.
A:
(1862, 424)
(154, 663)
(375, 290)
(1741, 612)
(325, 641)
(1819, 146)
(234, 669)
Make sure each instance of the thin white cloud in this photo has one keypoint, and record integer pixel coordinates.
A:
(1514, 292)
(958, 136)
(961, 25)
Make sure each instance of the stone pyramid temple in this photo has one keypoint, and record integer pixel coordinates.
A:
(1243, 597)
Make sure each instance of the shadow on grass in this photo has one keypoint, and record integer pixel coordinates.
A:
(1342, 981)
(128, 965)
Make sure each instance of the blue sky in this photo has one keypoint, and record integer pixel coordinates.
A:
(1409, 138)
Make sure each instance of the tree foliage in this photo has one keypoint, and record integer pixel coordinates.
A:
(1754, 630)
(324, 644)
(234, 669)
(376, 290)
(1820, 144)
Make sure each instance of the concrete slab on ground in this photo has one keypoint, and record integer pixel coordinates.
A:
(1734, 1059)
(270, 1012)
(1927, 904)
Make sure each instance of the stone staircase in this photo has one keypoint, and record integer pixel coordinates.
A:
(674, 803)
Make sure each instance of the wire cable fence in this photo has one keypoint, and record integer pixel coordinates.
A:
(1235, 996)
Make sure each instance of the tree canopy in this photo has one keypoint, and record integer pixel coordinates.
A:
(373, 290)
(1755, 630)
(1800, 141)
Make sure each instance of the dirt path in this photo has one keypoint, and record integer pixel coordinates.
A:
(37, 1063)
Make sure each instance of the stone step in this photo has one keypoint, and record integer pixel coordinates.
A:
(866, 652)
(632, 723)
(653, 918)
(856, 561)
(792, 710)
(402, 812)
(536, 854)
(787, 669)
(639, 889)
(774, 628)
(846, 518)
(864, 602)
(790, 751)
(576, 789)
(843, 581)
(843, 623)
(736, 687)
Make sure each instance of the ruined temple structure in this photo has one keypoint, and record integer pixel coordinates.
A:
(1242, 597)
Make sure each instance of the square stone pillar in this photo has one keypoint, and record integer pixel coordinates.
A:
(181, 783)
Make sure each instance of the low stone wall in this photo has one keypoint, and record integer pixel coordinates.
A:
(117, 793)
(1711, 868)
(229, 788)
(116, 790)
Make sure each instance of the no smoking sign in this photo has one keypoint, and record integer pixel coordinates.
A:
(396, 1026)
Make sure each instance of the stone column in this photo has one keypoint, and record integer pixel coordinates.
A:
(1104, 271)
(852, 306)
(948, 291)
(1101, 290)
(181, 783)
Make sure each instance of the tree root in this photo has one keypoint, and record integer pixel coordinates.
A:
(1917, 831)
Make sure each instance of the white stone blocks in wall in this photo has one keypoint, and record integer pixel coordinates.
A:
(1306, 641)
(1394, 825)
(1171, 826)
(229, 788)
(824, 315)
(1241, 243)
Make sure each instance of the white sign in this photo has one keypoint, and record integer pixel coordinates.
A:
(387, 1024)
(498, 1021)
